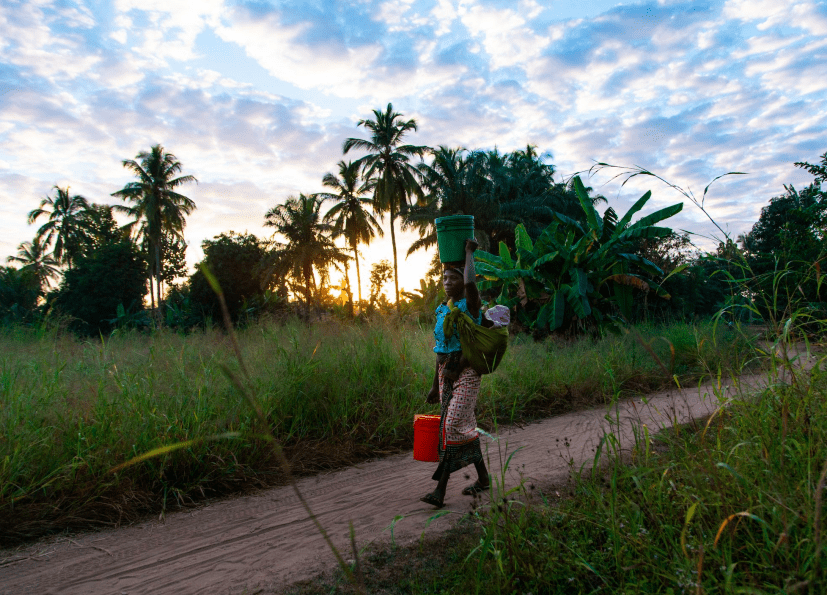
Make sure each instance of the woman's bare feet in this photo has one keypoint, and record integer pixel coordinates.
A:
(434, 499)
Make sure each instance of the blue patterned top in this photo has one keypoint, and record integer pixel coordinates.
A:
(452, 343)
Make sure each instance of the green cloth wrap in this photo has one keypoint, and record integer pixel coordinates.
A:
(482, 347)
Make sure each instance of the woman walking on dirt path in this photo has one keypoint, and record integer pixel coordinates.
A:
(456, 384)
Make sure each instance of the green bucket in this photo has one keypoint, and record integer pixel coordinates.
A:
(451, 233)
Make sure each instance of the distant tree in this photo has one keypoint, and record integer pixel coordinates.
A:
(791, 227)
(174, 255)
(236, 262)
(667, 252)
(455, 183)
(501, 190)
(19, 290)
(790, 236)
(380, 273)
(34, 256)
(111, 275)
(307, 247)
(102, 227)
(388, 164)
(156, 205)
(351, 215)
(67, 225)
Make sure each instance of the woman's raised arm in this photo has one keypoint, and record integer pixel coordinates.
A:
(472, 294)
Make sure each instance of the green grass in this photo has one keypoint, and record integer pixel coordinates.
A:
(734, 504)
(333, 393)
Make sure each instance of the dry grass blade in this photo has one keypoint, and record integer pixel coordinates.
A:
(277, 449)
(162, 450)
(689, 514)
(746, 514)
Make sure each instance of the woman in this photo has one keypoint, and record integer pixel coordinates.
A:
(456, 385)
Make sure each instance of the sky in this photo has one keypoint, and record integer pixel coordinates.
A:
(255, 98)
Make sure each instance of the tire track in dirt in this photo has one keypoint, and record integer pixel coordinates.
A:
(265, 541)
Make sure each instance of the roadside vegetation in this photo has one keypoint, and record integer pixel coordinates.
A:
(333, 394)
(734, 503)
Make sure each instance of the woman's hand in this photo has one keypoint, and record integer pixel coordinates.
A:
(471, 245)
(433, 396)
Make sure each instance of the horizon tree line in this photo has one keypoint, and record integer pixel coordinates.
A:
(501, 190)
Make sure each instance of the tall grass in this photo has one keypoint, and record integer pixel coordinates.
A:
(71, 410)
(733, 504)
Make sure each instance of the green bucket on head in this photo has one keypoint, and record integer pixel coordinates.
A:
(451, 233)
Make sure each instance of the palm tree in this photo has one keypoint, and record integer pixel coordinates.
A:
(33, 255)
(388, 164)
(500, 190)
(455, 183)
(349, 215)
(68, 224)
(308, 243)
(155, 203)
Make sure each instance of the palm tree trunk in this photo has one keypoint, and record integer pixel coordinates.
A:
(349, 291)
(395, 270)
(152, 295)
(358, 276)
(158, 278)
(307, 294)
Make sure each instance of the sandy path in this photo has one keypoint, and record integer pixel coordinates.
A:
(259, 542)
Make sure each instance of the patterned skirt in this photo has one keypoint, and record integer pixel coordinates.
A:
(459, 441)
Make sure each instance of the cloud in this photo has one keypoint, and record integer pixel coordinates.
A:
(306, 47)
(167, 29)
(505, 36)
(43, 44)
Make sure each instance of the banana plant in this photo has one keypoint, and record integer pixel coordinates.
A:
(577, 271)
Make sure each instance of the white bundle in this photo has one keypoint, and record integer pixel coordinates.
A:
(499, 315)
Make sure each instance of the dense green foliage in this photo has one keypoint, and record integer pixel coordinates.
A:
(19, 290)
(235, 261)
(110, 276)
(577, 273)
(565, 269)
(499, 190)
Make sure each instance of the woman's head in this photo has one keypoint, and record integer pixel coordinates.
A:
(453, 280)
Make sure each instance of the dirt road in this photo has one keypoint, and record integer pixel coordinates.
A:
(266, 540)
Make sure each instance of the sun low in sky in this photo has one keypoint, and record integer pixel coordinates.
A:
(256, 98)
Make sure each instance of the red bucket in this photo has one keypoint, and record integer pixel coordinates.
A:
(426, 438)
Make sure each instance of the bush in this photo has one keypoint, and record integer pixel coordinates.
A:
(235, 261)
(111, 275)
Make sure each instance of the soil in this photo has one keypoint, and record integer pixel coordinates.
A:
(263, 542)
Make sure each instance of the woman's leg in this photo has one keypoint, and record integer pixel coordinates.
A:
(483, 480)
(443, 471)
(442, 484)
(437, 497)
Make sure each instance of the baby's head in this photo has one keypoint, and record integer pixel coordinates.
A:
(499, 315)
